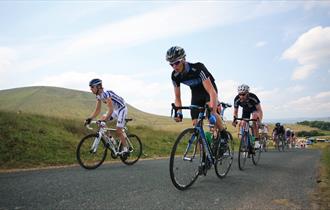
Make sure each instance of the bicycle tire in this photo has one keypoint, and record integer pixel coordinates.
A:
(188, 169)
(257, 155)
(135, 148)
(224, 158)
(85, 157)
(243, 152)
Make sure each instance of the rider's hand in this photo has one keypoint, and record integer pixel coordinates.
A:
(178, 117)
(88, 121)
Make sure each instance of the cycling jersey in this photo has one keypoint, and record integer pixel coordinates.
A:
(119, 106)
(117, 101)
(279, 130)
(249, 105)
(193, 76)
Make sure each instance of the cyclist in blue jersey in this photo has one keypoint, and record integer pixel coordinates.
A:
(202, 85)
(116, 105)
(251, 105)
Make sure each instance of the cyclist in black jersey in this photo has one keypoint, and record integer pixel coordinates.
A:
(201, 82)
(251, 105)
(278, 130)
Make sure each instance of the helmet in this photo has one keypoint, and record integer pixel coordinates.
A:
(95, 82)
(277, 124)
(243, 88)
(175, 53)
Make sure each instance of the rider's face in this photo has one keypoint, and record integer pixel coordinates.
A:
(94, 89)
(178, 65)
(242, 96)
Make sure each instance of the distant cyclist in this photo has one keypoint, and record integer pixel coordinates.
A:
(288, 134)
(277, 131)
(251, 106)
(201, 82)
(116, 105)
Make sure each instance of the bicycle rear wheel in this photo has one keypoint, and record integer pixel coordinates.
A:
(186, 156)
(224, 157)
(243, 151)
(135, 150)
(87, 158)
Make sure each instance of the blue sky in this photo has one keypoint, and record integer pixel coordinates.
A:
(281, 49)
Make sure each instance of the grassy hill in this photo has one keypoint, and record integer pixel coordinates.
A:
(71, 104)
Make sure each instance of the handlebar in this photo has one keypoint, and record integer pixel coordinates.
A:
(199, 108)
(102, 123)
(244, 119)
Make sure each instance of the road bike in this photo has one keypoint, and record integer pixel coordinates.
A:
(263, 137)
(280, 142)
(192, 155)
(92, 149)
(247, 145)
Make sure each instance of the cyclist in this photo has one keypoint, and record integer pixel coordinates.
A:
(251, 105)
(288, 134)
(202, 85)
(277, 131)
(117, 109)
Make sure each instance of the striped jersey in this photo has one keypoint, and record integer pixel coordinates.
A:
(193, 75)
(117, 101)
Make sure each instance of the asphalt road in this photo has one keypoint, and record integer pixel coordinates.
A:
(281, 181)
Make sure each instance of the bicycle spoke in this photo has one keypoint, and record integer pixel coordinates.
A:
(135, 150)
(185, 159)
(224, 158)
(86, 156)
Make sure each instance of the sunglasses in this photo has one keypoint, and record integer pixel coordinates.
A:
(175, 63)
(242, 94)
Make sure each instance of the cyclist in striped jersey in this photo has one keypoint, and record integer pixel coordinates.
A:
(116, 105)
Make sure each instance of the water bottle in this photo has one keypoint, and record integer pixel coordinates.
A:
(113, 140)
(252, 140)
(208, 137)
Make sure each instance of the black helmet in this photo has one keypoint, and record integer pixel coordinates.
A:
(277, 124)
(175, 53)
(95, 82)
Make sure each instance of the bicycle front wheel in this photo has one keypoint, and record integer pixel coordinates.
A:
(87, 158)
(186, 156)
(135, 150)
(256, 156)
(224, 157)
(243, 151)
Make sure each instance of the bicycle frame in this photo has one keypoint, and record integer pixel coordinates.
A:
(102, 133)
(199, 131)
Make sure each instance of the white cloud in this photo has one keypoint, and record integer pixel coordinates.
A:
(261, 44)
(318, 104)
(311, 50)
(302, 72)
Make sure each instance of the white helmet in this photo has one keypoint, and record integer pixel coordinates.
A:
(243, 88)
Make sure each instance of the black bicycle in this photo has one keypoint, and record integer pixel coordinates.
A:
(247, 147)
(192, 155)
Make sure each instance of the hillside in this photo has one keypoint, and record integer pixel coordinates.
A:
(71, 104)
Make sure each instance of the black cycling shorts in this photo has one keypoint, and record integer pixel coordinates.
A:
(200, 98)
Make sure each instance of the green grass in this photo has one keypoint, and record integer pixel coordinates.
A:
(29, 140)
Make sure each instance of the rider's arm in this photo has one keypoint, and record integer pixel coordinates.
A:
(97, 109)
(110, 109)
(235, 114)
(259, 109)
(177, 93)
(213, 94)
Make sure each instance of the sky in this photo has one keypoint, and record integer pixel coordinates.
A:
(281, 49)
